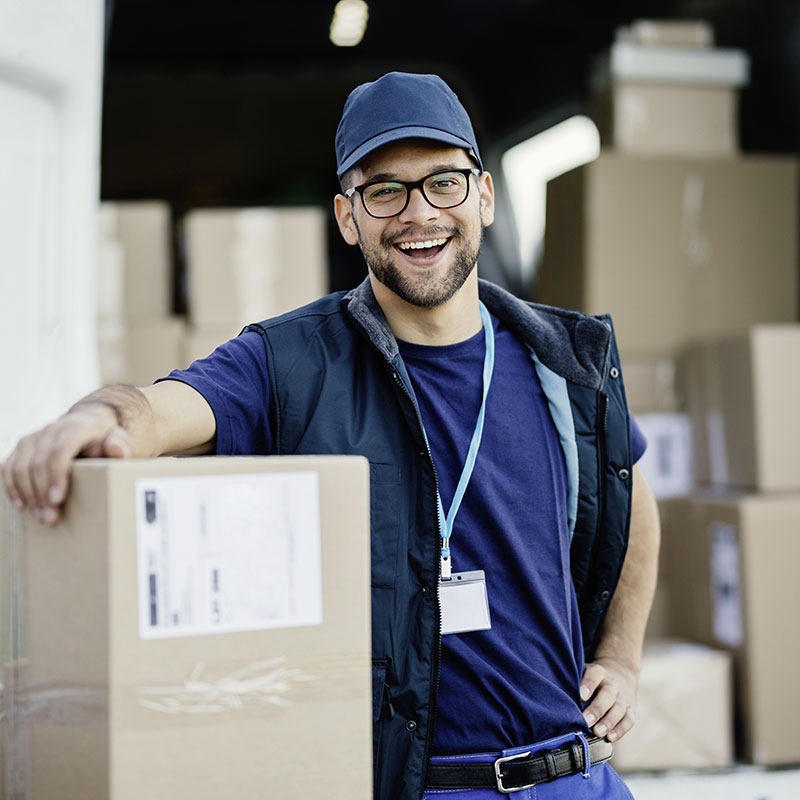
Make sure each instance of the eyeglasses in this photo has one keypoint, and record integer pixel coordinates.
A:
(384, 199)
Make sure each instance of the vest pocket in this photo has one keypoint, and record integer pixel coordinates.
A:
(387, 520)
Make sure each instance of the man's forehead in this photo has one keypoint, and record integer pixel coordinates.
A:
(409, 156)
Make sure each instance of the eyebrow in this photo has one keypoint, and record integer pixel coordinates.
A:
(390, 176)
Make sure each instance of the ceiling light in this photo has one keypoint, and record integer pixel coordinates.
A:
(349, 22)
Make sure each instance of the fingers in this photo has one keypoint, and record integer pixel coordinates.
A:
(610, 714)
(37, 473)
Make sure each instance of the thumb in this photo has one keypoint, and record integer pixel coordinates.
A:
(117, 444)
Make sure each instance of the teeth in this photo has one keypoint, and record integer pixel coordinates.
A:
(422, 245)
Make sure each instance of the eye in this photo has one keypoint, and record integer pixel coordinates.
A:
(445, 182)
(384, 191)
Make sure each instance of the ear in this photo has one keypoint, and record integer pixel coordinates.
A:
(486, 198)
(343, 210)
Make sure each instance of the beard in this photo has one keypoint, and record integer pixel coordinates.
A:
(430, 290)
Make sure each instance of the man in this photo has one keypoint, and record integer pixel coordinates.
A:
(500, 465)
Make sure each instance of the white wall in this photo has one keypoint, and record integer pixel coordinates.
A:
(50, 92)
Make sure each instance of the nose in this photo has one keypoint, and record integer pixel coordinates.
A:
(419, 210)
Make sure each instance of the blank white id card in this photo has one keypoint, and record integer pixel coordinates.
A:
(464, 603)
(225, 553)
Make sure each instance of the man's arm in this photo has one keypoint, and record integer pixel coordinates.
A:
(114, 422)
(611, 679)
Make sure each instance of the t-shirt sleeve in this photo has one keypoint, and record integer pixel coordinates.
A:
(638, 439)
(234, 382)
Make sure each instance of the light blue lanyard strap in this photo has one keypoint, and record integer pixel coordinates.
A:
(446, 521)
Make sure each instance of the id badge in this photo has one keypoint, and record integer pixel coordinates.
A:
(464, 603)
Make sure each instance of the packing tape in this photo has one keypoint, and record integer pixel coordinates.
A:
(261, 683)
(695, 245)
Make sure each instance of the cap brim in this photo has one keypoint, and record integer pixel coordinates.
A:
(409, 132)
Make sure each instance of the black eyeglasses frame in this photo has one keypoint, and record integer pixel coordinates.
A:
(411, 185)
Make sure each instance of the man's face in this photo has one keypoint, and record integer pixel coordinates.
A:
(395, 248)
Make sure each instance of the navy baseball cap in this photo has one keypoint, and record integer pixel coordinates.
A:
(401, 105)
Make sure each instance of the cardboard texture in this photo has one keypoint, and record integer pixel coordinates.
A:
(684, 710)
(106, 713)
(135, 259)
(671, 120)
(732, 564)
(650, 381)
(741, 393)
(139, 350)
(245, 265)
(674, 249)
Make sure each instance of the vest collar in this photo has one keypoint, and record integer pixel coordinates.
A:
(542, 328)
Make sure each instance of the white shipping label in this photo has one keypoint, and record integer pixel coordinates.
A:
(223, 553)
(726, 585)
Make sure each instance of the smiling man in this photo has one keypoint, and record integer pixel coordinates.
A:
(513, 540)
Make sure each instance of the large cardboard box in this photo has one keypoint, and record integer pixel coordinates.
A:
(732, 565)
(135, 259)
(244, 265)
(684, 710)
(675, 249)
(138, 350)
(742, 395)
(195, 627)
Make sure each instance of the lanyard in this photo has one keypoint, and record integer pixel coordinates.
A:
(446, 521)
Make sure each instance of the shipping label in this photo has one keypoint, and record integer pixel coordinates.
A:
(225, 553)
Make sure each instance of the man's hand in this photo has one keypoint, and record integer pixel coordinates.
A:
(113, 422)
(37, 472)
(612, 689)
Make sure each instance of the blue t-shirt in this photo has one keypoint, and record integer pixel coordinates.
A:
(517, 683)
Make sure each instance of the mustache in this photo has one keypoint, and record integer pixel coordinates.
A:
(415, 234)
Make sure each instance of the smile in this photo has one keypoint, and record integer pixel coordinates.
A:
(426, 245)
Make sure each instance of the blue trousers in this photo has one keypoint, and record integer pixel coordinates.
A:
(600, 782)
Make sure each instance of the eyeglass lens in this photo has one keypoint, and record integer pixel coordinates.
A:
(443, 190)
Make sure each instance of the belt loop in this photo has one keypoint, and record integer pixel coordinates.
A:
(587, 761)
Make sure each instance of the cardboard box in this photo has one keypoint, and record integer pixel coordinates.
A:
(138, 350)
(675, 249)
(667, 463)
(742, 395)
(135, 259)
(195, 627)
(684, 710)
(732, 565)
(245, 265)
(661, 119)
(650, 381)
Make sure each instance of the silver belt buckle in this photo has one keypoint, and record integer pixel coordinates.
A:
(498, 775)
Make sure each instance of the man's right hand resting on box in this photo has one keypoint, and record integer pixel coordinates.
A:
(114, 422)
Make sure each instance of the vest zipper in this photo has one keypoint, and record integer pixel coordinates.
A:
(437, 660)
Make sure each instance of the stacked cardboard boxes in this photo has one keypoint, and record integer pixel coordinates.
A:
(692, 248)
(670, 231)
(247, 264)
(732, 561)
(193, 628)
(139, 337)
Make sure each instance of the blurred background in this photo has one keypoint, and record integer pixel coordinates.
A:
(167, 173)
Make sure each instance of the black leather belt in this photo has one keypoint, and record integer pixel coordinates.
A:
(520, 771)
